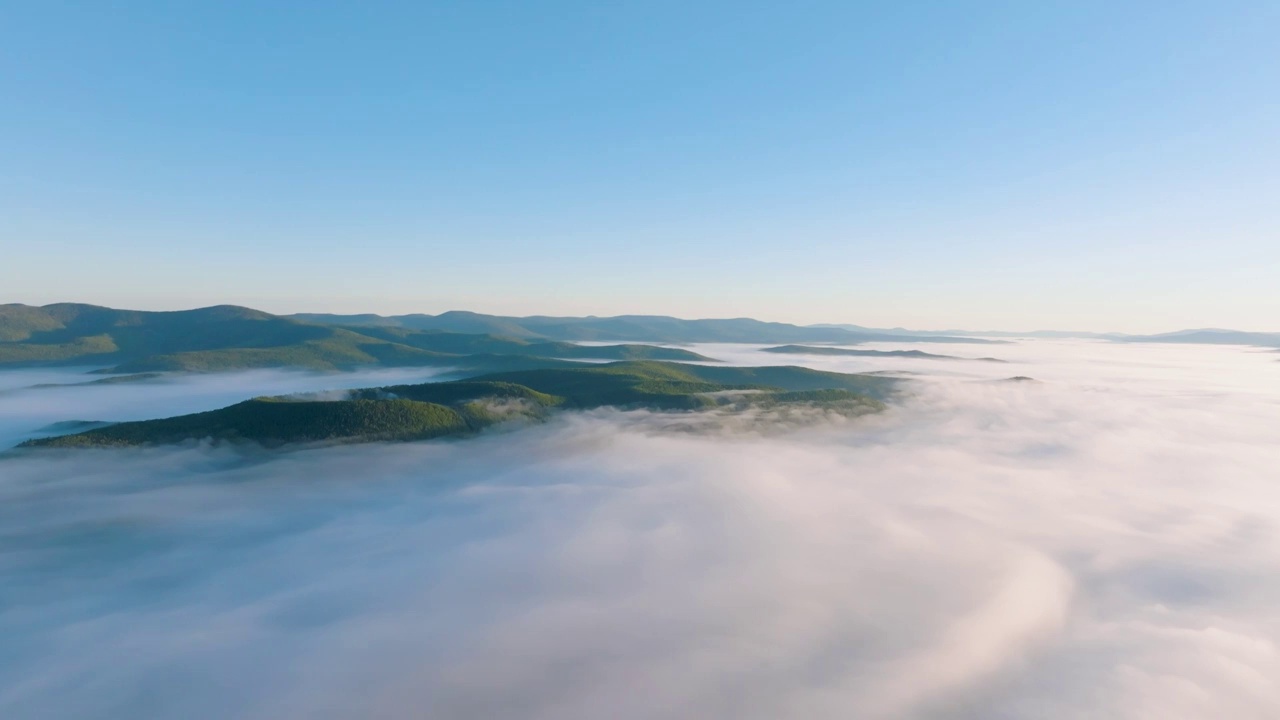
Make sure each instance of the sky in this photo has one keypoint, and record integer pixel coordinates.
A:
(981, 165)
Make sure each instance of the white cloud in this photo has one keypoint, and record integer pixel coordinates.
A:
(1105, 543)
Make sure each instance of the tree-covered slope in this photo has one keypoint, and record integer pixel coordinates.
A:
(622, 328)
(410, 412)
(340, 350)
(274, 421)
(460, 391)
(91, 334)
(610, 385)
(665, 384)
(464, 343)
(234, 338)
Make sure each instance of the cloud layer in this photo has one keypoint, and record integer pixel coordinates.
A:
(1099, 544)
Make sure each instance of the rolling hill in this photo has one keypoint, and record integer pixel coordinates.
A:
(463, 407)
(235, 338)
(622, 328)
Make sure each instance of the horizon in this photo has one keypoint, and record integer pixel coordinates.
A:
(727, 360)
(972, 331)
(976, 165)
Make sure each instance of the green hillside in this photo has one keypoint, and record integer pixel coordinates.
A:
(274, 421)
(234, 338)
(676, 385)
(459, 391)
(622, 328)
(466, 344)
(414, 412)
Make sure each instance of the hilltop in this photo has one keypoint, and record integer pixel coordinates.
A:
(228, 337)
(464, 407)
(643, 328)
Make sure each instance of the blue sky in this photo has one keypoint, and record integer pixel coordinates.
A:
(1004, 165)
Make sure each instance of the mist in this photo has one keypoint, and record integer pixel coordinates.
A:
(33, 399)
(1103, 542)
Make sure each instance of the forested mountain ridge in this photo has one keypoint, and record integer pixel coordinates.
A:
(621, 328)
(463, 407)
(233, 338)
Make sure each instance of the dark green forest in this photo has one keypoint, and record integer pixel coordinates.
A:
(464, 407)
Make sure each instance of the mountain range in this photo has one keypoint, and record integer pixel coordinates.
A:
(228, 337)
(1203, 336)
(664, 329)
(640, 328)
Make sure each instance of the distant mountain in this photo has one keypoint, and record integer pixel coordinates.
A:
(232, 338)
(641, 328)
(917, 354)
(1210, 336)
(1203, 336)
(973, 333)
(228, 337)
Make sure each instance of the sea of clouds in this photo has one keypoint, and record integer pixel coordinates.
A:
(1104, 542)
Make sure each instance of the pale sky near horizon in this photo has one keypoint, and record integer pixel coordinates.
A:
(983, 165)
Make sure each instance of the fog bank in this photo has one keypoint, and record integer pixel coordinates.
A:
(1103, 543)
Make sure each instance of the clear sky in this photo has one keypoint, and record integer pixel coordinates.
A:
(1003, 165)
